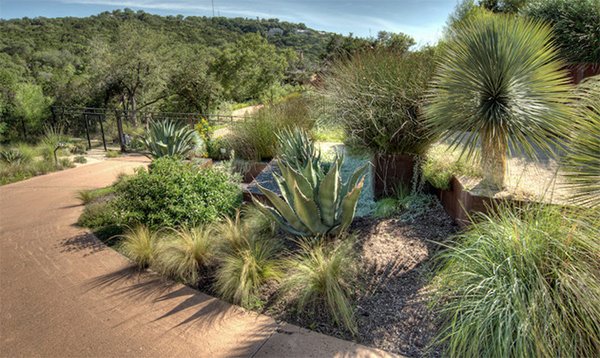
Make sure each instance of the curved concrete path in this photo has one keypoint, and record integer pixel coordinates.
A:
(64, 294)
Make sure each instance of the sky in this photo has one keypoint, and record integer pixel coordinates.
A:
(422, 19)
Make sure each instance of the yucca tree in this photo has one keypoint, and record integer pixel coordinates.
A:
(169, 138)
(582, 162)
(500, 86)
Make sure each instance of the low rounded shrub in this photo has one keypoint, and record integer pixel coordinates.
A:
(172, 193)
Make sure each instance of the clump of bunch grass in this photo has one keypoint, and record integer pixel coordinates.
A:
(254, 138)
(522, 282)
(443, 162)
(139, 245)
(257, 223)
(80, 159)
(245, 263)
(112, 153)
(90, 195)
(386, 208)
(186, 254)
(321, 275)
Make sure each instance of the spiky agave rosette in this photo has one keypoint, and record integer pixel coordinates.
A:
(314, 203)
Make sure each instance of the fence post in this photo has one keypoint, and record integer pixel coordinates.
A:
(87, 131)
(120, 130)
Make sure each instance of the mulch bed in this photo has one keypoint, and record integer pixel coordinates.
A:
(392, 296)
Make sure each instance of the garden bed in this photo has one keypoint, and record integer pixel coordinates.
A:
(391, 296)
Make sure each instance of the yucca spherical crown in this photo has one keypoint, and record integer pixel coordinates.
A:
(502, 76)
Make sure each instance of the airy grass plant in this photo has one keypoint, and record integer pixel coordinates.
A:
(377, 97)
(582, 163)
(522, 282)
(246, 260)
(139, 244)
(186, 254)
(321, 275)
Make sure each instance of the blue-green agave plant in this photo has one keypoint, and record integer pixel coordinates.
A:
(169, 138)
(314, 203)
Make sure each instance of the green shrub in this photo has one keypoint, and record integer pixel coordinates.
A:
(377, 97)
(184, 255)
(172, 193)
(522, 283)
(112, 153)
(98, 215)
(442, 163)
(169, 138)
(219, 148)
(246, 261)
(139, 245)
(321, 277)
(80, 159)
(575, 26)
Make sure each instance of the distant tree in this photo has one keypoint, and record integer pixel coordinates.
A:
(575, 24)
(503, 6)
(193, 87)
(135, 65)
(395, 41)
(31, 107)
(249, 67)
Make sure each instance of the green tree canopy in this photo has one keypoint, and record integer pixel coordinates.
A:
(31, 106)
(249, 67)
(575, 25)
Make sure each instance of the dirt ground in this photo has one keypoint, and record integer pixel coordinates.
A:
(392, 293)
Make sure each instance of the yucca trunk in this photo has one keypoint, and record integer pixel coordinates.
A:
(493, 159)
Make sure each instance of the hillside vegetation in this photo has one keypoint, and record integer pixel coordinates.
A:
(136, 61)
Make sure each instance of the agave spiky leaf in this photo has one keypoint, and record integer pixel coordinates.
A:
(328, 195)
(297, 149)
(315, 206)
(348, 207)
(168, 138)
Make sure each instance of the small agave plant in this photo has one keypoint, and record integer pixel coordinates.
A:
(314, 203)
(168, 138)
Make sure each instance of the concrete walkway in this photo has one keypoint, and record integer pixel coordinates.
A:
(64, 294)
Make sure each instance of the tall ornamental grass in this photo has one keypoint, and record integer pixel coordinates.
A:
(377, 96)
(582, 162)
(523, 283)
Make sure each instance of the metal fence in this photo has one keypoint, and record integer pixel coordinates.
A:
(103, 123)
